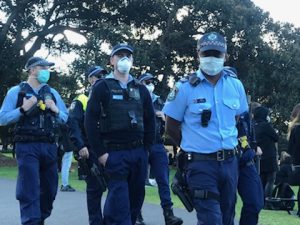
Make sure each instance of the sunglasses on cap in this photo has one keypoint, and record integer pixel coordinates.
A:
(151, 81)
(212, 53)
(148, 81)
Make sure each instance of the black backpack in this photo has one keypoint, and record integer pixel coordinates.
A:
(283, 198)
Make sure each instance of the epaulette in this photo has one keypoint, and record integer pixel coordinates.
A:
(231, 71)
(194, 80)
(136, 81)
(184, 79)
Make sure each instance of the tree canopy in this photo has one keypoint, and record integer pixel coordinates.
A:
(164, 35)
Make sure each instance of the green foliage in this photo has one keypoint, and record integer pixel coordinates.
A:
(164, 35)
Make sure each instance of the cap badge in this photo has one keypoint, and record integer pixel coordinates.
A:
(212, 37)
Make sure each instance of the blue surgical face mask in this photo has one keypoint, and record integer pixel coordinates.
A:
(150, 87)
(211, 65)
(43, 76)
(124, 65)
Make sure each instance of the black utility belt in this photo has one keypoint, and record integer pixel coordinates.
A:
(220, 155)
(31, 138)
(123, 146)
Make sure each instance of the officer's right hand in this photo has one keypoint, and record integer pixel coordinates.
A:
(259, 151)
(84, 153)
(102, 159)
(28, 103)
(161, 115)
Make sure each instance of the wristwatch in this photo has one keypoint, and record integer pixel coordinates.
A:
(22, 111)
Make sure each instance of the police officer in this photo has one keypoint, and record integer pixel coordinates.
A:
(206, 108)
(82, 148)
(120, 124)
(249, 185)
(158, 158)
(36, 108)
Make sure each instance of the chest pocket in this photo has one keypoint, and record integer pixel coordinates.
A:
(230, 109)
(232, 104)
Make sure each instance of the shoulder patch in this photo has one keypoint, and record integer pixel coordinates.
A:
(72, 106)
(175, 89)
(172, 94)
(160, 101)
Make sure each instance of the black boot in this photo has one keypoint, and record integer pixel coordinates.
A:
(170, 219)
(140, 220)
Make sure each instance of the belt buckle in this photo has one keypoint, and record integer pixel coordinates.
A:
(189, 156)
(220, 155)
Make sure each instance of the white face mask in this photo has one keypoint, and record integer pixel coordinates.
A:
(211, 65)
(150, 87)
(124, 65)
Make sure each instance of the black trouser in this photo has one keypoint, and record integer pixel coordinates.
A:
(268, 180)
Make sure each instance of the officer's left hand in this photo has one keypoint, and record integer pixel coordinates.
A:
(50, 104)
(161, 115)
(102, 159)
(84, 153)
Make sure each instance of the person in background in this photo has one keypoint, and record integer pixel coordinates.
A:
(37, 110)
(249, 184)
(86, 158)
(67, 148)
(158, 159)
(285, 168)
(266, 138)
(294, 149)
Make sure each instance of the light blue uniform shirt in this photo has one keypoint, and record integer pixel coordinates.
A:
(9, 113)
(123, 85)
(226, 100)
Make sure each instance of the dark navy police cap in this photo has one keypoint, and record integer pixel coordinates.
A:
(37, 61)
(119, 47)
(145, 76)
(212, 41)
(96, 71)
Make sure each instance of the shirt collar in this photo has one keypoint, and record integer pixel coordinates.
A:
(202, 77)
(111, 76)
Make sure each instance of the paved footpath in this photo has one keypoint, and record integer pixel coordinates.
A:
(70, 209)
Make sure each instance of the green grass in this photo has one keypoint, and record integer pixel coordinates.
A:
(267, 217)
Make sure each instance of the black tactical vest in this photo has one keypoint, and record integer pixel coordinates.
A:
(38, 124)
(160, 124)
(124, 111)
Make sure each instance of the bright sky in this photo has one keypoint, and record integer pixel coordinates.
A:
(285, 11)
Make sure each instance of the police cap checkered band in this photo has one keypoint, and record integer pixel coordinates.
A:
(212, 41)
(145, 76)
(119, 47)
(37, 61)
(96, 71)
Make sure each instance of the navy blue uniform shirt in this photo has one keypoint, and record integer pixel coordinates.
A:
(101, 93)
